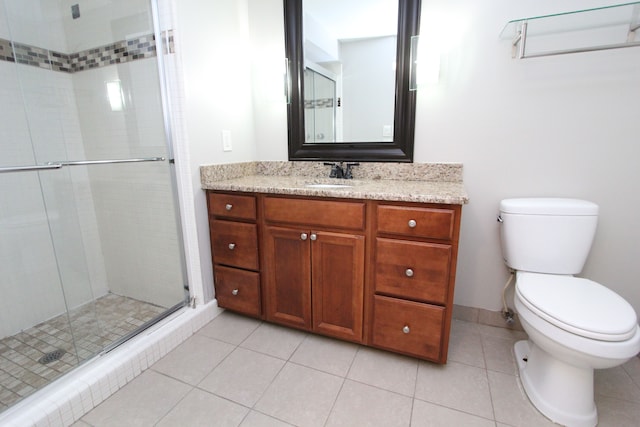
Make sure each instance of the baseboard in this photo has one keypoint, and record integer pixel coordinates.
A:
(485, 317)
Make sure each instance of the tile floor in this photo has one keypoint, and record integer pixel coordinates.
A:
(238, 371)
(81, 334)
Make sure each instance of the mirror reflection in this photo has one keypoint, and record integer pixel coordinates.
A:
(349, 70)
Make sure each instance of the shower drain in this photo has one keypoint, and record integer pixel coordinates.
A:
(51, 356)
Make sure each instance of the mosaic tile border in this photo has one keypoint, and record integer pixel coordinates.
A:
(318, 103)
(120, 52)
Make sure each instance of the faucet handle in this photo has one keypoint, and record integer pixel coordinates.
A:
(336, 170)
(348, 173)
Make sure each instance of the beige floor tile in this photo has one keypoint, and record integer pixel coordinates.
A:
(300, 396)
(633, 369)
(429, 415)
(617, 412)
(230, 327)
(510, 403)
(504, 333)
(498, 354)
(616, 383)
(194, 359)
(274, 340)
(465, 344)
(200, 408)
(243, 376)
(142, 402)
(325, 354)
(385, 370)
(256, 419)
(456, 386)
(363, 405)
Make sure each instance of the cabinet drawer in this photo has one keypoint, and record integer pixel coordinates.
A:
(408, 327)
(238, 290)
(234, 244)
(232, 206)
(413, 270)
(314, 212)
(431, 223)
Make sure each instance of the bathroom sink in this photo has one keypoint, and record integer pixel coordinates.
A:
(328, 185)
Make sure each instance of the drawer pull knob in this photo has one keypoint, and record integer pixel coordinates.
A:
(412, 223)
(409, 272)
(234, 292)
(232, 246)
(314, 236)
(228, 206)
(406, 329)
(303, 236)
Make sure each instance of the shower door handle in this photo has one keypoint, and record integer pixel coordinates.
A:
(105, 162)
(48, 166)
(58, 165)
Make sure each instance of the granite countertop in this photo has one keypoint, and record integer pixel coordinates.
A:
(440, 183)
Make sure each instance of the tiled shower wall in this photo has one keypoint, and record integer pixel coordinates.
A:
(54, 97)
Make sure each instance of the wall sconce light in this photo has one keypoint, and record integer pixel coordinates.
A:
(115, 95)
(425, 64)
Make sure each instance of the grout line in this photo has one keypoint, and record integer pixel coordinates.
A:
(486, 374)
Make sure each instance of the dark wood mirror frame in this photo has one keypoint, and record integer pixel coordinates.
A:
(401, 149)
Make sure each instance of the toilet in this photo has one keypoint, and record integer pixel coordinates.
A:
(574, 325)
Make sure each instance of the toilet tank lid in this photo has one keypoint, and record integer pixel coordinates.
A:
(548, 206)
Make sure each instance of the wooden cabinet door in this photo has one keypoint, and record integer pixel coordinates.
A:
(287, 276)
(337, 270)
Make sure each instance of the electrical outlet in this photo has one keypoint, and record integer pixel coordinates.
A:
(226, 140)
(387, 130)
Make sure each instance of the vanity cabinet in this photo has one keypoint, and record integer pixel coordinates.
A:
(379, 273)
(235, 253)
(314, 260)
(415, 255)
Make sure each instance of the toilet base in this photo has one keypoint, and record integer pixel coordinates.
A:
(561, 392)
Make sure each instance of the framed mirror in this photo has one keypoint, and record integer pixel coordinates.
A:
(345, 103)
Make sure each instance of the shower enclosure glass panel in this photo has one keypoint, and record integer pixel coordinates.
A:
(319, 107)
(90, 248)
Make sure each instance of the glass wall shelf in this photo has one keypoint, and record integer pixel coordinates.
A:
(609, 27)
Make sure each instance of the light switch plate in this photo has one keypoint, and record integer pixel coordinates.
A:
(226, 140)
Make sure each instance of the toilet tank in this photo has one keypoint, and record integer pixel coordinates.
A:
(547, 235)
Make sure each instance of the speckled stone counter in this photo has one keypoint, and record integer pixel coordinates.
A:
(407, 182)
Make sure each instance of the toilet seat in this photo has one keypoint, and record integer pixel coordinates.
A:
(578, 305)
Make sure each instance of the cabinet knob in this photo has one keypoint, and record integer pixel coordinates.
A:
(406, 329)
(314, 236)
(409, 272)
(232, 246)
(228, 206)
(412, 223)
(303, 236)
(234, 292)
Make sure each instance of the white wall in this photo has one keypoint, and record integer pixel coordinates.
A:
(561, 126)
(558, 126)
(368, 87)
(212, 42)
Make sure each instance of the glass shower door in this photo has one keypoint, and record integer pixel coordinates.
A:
(90, 245)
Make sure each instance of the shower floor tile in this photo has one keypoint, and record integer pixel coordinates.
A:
(80, 334)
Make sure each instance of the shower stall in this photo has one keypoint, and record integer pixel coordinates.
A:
(90, 242)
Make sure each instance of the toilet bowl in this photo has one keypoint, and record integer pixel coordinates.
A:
(567, 342)
(574, 325)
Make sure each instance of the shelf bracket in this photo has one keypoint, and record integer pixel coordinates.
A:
(631, 35)
(519, 42)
